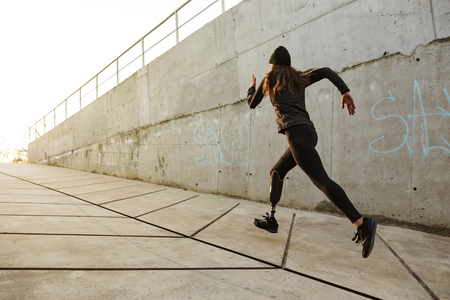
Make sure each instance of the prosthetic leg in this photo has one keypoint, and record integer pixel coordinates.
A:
(269, 223)
(276, 187)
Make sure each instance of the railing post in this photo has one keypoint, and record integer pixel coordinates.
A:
(176, 26)
(223, 6)
(54, 117)
(65, 102)
(80, 99)
(117, 64)
(96, 87)
(143, 52)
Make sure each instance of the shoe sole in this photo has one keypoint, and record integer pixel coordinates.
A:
(372, 242)
(269, 230)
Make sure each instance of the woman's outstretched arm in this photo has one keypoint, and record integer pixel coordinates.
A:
(347, 99)
(254, 96)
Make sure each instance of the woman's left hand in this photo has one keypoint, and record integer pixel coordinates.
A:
(253, 81)
(347, 100)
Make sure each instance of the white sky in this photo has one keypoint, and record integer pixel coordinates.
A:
(50, 48)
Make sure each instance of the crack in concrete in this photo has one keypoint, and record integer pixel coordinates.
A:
(435, 41)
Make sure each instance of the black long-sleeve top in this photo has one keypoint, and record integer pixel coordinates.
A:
(290, 109)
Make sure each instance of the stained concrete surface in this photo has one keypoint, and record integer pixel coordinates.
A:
(166, 243)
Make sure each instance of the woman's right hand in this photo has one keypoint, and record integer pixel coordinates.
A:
(253, 81)
(347, 100)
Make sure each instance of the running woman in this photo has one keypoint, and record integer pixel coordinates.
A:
(285, 87)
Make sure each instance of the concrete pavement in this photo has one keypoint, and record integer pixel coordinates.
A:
(67, 234)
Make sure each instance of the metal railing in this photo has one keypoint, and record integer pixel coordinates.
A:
(120, 68)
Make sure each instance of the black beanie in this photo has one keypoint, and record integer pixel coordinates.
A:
(280, 57)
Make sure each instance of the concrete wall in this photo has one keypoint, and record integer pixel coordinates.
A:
(183, 119)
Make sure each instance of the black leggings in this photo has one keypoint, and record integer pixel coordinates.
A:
(302, 141)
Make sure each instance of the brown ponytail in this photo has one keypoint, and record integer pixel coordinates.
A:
(282, 77)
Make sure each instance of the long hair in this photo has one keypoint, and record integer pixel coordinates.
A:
(283, 77)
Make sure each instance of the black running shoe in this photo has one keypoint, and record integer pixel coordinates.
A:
(268, 223)
(366, 236)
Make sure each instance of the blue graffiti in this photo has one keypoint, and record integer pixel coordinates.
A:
(209, 137)
(410, 146)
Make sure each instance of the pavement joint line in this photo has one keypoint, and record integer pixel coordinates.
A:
(37, 173)
(134, 269)
(24, 195)
(51, 177)
(95, 204)
(50, 174)
(64, 180)
(286, 250)
(107, 202)
(148, 223)
(157, 226)
(173, 204)
(91, 235)
(61, 216)
(411, 271)
(290, 270)
(210, 223)
(216, 246)
(46, 203)
(117, 188)
(32, 195)
(68, 187)
(18, 188)
(332, 284)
